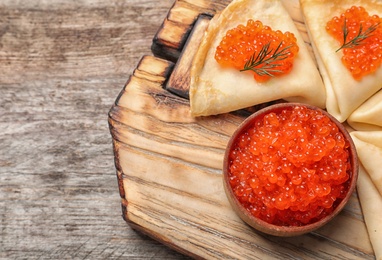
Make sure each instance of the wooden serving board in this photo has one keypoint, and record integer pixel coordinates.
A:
(169, 163)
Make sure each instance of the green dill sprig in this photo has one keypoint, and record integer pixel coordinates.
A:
(269, 67)
(357, 40)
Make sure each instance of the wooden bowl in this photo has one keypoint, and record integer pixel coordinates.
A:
(272, 229)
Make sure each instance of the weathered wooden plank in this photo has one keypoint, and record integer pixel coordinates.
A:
(172, 35)
(209, 7)
(185, 13)
(170, 39)
(62, 65)
(193, 213)
(151, 69)
(179, 80)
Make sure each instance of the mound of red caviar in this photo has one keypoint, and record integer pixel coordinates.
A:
(365, 56)
(291, 167)
(248, 41)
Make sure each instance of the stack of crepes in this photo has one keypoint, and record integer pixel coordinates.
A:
(354, 99)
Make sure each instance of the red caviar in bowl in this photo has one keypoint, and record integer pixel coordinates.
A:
(246, 41)
(290, 168)
(365, 56)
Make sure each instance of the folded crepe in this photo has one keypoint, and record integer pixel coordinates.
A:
(344, 93)
(369, 149)
(369, 186)
(371, 204)
(367, 117)
(215, 89)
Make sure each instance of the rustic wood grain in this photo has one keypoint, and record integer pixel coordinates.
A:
(169, 163)
(172, 35)
(62, 65)
(169, 168)
(179, 80)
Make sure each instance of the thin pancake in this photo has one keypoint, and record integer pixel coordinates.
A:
(216, 90)
(344, 93)
(371, 203)
(369, 149)
(368, 117)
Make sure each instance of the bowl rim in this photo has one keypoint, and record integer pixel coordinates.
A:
(262, 225)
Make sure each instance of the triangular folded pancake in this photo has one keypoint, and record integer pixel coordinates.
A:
(369, 185)
(216, 90)
(369, 149)
(344, 93)
(368, 117)
(371, 204)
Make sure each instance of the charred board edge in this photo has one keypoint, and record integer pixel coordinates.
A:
(179, 80)
(172, 35)
(115, 112)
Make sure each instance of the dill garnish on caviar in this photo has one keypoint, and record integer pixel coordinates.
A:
(257, 48)
(360, 38)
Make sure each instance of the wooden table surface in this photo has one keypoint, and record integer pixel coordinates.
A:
(62, 65)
